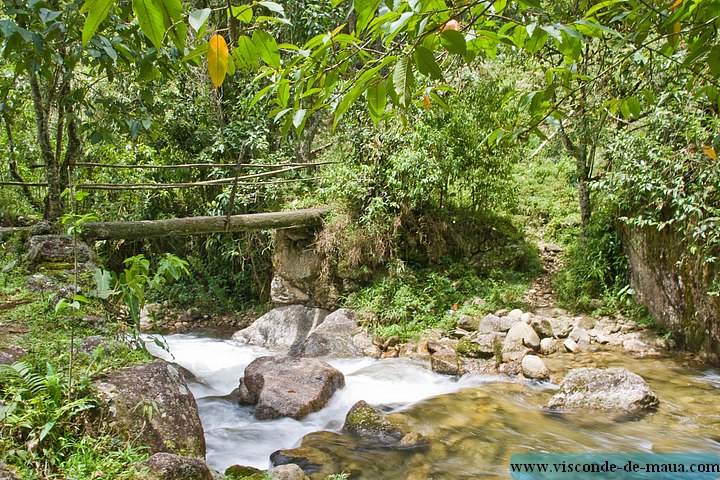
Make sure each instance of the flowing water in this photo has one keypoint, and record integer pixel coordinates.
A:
(473, 424)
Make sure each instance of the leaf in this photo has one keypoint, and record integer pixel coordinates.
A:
(676, 4)
(97, 11)
(299, 118)
(217, 59)
(346, 102)
(150, 17)
(197, 18)
(365, 10)
(601, 5)
(426, 101)
(245, 54)
(426, 63)
(243, 13)
(454, 42)
(267, 48)
(537, 40)
(174, 24)
(403, 81)
(273, 7)
(47, 16)
(377, 101)
(710, 152)
(714, 60)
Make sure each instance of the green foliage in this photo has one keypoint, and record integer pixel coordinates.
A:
(132, 285)
(546, 200)
(666, 178)
(410, 301)
(595, 266)
(38, 412)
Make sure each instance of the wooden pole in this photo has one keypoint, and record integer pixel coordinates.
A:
(202, 225)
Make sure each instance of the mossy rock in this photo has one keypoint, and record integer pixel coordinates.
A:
(238, 472)
(468, 348)
(367, 422)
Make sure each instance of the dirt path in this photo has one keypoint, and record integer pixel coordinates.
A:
(541, 293)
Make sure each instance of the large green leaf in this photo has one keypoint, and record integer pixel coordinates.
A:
(173, 21)
(377, 101)
(149, 14)
(365, 10)
(426, 63)
(245, 54)
(454, 42)
(403, 81)
(267, 48)
(97, 11)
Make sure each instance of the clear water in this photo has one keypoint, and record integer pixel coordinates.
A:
(473, 423)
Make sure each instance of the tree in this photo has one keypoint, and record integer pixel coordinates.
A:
(68, 73)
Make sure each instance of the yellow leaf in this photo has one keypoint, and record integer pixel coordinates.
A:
(710, 152)
(426, 101)
(217, 58)
(676, 28)
(676, 4)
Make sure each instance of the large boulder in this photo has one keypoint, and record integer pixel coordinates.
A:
(339, 336)
(288, 387)
(284, 328)
(57, 252)
(613, 389)
(168, 466)
(152, 405)
(521, 339)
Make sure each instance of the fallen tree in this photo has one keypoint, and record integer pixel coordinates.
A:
(202, 225)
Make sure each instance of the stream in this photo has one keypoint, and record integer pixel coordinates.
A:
(473, 423)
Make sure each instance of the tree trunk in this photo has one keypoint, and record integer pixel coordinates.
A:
(53, 201)
(308, 217)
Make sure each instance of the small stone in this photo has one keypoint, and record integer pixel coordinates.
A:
(515, 313)
(287, 472)
(571, 345)
(548, 346)
(542, 327)
(526, 317)
(524, 334)
(533, 367)
(489, 324)
(587, 323)
(446, 361)
(580, 335)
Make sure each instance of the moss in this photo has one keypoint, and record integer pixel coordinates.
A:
(238, 472)
(468, 348)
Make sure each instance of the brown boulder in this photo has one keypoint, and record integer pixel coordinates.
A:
(284, 386)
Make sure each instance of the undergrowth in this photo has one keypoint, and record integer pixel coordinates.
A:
(410, 301)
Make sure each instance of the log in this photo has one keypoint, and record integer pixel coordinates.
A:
(308, 217)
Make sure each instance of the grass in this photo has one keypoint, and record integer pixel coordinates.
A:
(42, 398)
(408, 302)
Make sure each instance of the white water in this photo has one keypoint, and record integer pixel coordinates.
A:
(232, 433)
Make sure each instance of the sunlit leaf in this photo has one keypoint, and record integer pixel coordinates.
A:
(217, 59)
(197, 18)
(97, 11)
(267, 48)
(243, 13)
(273, 7)
(150, 17)
(710, 152)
